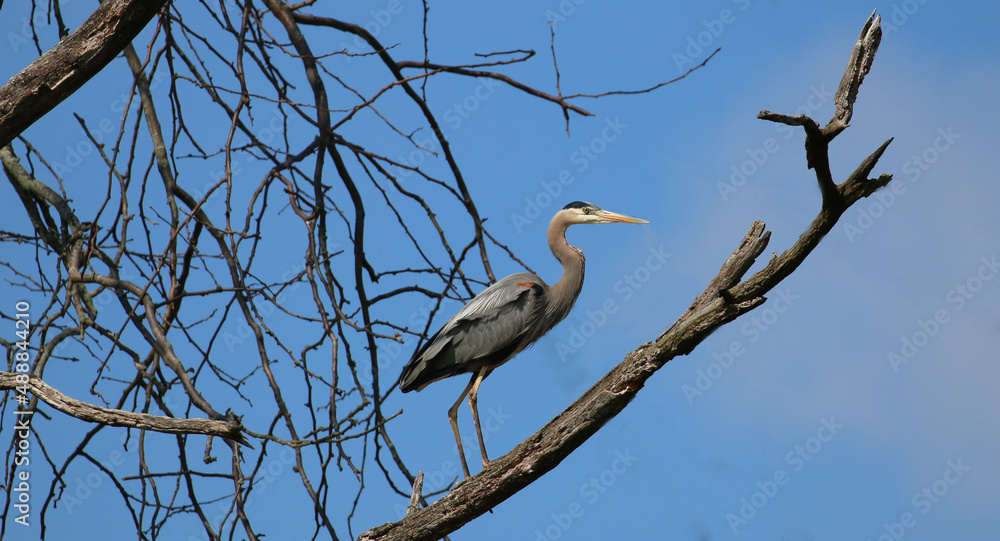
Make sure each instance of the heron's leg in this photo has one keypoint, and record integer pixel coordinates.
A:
(473, 403)
(453, 418)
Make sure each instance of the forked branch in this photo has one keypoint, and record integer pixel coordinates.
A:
(726, 298)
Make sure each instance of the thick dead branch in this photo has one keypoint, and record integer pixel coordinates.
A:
(726, 298)
(231, 430)
(46, 82)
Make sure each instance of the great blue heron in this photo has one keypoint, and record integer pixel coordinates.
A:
(504, 319)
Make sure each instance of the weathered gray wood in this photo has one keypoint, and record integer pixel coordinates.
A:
(857, 68)
(63, 69)
(115, 417)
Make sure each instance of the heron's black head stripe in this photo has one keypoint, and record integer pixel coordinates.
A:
(578, 205)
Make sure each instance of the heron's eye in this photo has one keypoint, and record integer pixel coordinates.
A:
(586, 210)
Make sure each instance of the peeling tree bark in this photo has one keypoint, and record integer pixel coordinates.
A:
(63, 69)
(726, 298)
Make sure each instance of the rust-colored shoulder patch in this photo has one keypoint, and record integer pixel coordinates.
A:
(527, 284)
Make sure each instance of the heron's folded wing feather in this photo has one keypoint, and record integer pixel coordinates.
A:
(491, 325)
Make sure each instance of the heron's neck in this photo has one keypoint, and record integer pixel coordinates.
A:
(567, 289)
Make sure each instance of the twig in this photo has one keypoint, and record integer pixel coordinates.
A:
(650, 89)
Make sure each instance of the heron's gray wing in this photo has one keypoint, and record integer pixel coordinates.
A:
(493, 326)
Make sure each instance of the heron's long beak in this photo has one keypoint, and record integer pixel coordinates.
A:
(608, 217)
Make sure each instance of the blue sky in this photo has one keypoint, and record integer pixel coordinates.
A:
(800, 421)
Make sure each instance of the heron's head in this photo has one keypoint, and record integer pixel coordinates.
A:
(580, 212)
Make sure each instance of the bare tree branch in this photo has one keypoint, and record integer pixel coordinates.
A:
(231, 430)
(726, 297)
(160, 295)
(54, 76)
